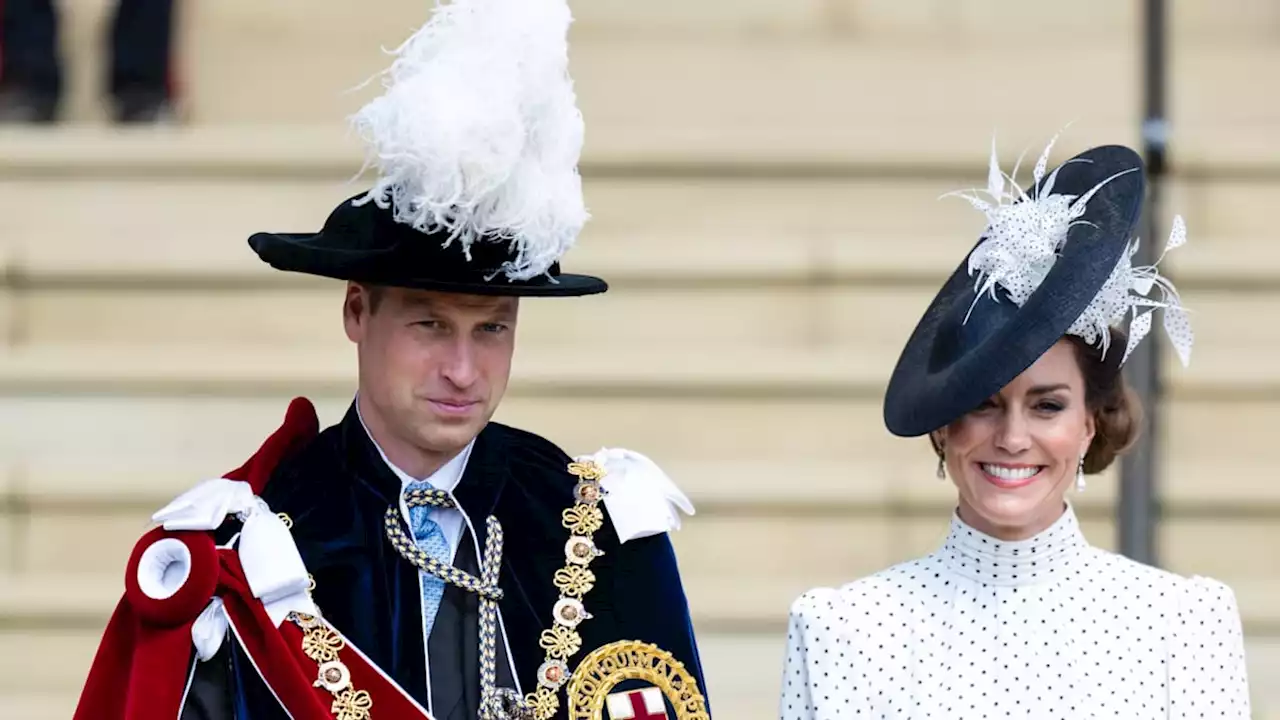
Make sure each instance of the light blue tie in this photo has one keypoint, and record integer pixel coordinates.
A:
(430, 539)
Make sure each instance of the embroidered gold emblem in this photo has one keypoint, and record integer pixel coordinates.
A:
(586, 470)
(583, 519)
(544, 703)
(574, 581)
(352, 705)
(322, 644)
(560, 642)
(609, 665)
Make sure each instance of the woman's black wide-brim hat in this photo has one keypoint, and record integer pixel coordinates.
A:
(362, 242)
(950, 364)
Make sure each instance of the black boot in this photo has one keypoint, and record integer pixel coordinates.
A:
(137, 106)
(20, 104)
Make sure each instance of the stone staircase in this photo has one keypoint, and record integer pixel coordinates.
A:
(762, 177)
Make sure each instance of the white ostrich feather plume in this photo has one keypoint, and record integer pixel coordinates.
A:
(478, 134)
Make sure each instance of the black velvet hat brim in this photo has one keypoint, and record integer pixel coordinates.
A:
(362, 243)
(950, 366)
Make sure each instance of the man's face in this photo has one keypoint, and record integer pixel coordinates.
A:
(433, 367)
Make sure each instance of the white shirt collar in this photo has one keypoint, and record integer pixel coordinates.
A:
(446, 478)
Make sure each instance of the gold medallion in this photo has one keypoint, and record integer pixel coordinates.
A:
(595, 678)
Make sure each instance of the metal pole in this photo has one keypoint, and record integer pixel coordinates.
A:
(1139, 506)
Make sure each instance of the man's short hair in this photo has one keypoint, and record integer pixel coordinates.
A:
(377, 294)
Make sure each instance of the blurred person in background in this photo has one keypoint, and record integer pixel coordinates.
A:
(424, 559)
(1014, 373)
(139, 77)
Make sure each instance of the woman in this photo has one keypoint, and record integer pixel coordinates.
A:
(1014, 374)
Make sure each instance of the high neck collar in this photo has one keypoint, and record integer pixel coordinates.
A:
(985, 559)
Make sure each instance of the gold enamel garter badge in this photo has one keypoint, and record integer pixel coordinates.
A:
(591, 688)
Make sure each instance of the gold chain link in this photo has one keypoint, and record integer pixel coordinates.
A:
(561, 641)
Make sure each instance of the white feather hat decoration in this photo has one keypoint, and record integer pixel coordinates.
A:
(478, 135)
(1025, 235)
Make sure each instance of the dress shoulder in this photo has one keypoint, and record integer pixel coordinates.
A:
(1204, 598)
(1181, 589)
(876, 587)
(860, 605)
(828, 631)
(815, 604)
(1207, 674)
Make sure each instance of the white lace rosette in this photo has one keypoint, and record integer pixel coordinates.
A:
(1025, 235)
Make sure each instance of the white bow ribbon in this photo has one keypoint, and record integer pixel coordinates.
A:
(641, 499)
(272, 566)
(209, 630)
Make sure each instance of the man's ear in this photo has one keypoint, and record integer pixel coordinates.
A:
(355, 310)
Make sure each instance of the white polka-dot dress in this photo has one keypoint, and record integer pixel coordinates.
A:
(1043, 628)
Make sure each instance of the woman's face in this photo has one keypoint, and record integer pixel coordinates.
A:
(1013, 457)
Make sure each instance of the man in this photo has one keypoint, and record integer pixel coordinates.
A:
(445, 565)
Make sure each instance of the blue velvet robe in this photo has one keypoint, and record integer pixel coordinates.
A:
(337, 490)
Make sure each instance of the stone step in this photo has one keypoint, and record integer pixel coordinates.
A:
(1210, 458)
(799, 467)
(256, 323)
(861, 62)
(29, 705)
(863, 20)
(614, 363)
(719, 557)
(142, 450)
(721, 548)
(187, 219)
(680, 103)
(45, 668)
(720, 552)
(743, 678)
(847, 335)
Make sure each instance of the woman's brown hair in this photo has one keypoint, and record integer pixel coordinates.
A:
(1116, 408)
